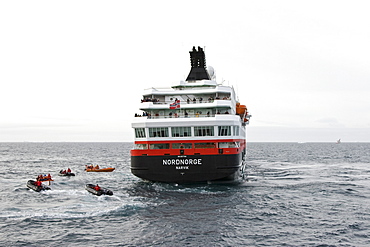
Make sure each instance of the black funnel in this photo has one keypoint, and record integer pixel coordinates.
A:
(198, 65)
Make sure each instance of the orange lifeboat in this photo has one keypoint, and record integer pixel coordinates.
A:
(108, 169)
(240, 109)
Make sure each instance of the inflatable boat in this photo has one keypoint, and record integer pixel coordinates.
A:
(67, 174)
(108, 169)
(31, 184)
(103, 191)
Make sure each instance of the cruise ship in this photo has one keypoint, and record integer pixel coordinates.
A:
(193, 131)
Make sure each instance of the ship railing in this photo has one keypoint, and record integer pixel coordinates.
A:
(196, 115)
(189, 101)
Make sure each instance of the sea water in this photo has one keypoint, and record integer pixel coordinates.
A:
(294, 194)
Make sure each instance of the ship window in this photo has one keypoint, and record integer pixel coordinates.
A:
(159, 146)
(140, 132)
(236, 130)
(228, 145)
(205, 145)
(181, 131)
(203, 131)
(158, 132)
(224, 130)
(141, 146)
(181, 145)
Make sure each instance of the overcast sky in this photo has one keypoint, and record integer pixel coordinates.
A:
(76, 70)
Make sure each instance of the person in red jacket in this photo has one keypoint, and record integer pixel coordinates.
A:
(97, 187)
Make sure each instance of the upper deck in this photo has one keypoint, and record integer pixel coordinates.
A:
(199, 100)
(206, 94)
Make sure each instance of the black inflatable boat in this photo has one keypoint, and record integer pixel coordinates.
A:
(103, 191)
(67, 174)
(31, 184)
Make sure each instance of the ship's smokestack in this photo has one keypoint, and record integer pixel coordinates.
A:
(198, 65)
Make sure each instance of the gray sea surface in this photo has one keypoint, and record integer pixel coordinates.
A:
(294, 194)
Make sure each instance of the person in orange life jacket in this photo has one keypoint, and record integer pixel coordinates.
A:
(97, 187)
(38, 183)
(69, 170)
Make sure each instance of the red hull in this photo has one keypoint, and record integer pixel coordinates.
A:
(187, 165)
